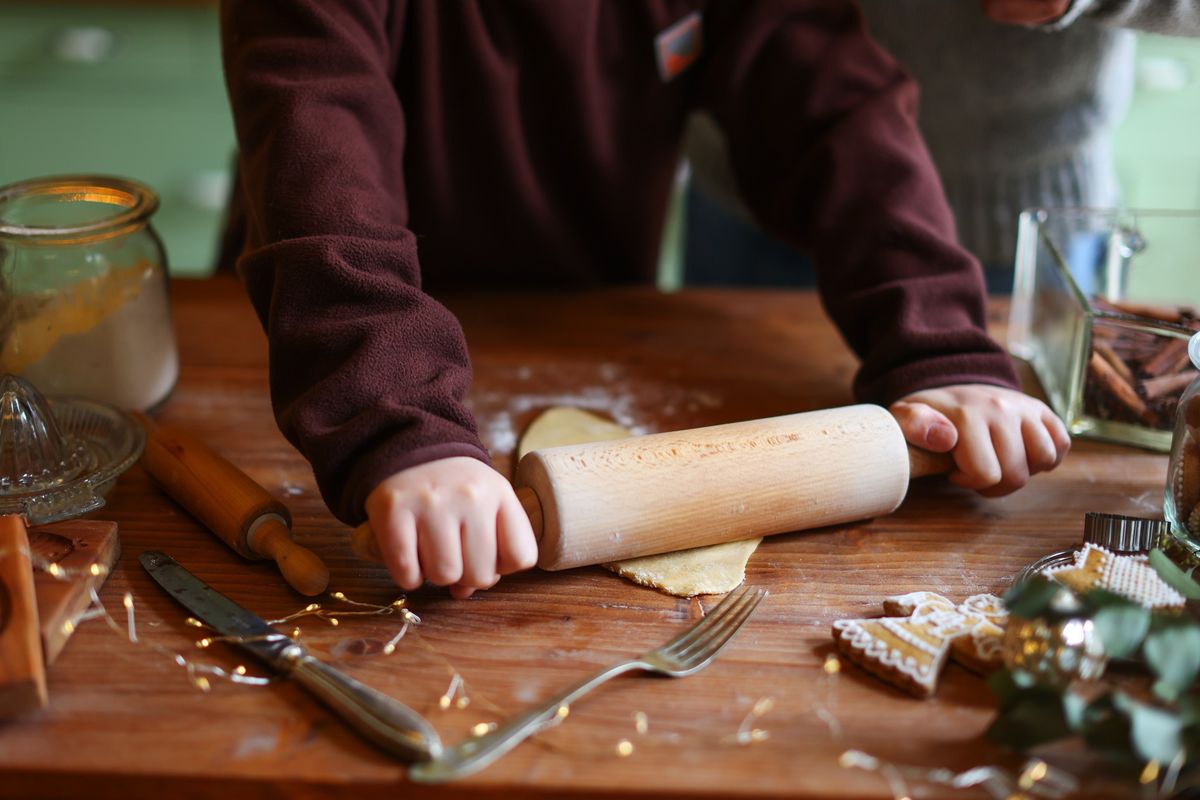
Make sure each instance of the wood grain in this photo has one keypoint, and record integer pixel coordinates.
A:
(133, 725)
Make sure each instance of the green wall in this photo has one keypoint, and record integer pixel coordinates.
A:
(131, 90)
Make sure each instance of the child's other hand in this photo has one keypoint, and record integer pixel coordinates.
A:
(999, 436)
(454, 522)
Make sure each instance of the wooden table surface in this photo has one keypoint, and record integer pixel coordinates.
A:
(124, 719)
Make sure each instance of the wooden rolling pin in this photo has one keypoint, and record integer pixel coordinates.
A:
(608, 501)
(230, 504)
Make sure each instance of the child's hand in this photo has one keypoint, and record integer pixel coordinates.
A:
(454, 522)
(999, 436)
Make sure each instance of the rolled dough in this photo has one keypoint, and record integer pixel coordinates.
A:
(715, 569)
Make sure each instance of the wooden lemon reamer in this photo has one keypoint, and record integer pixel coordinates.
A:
(607, 501)
(230, 504)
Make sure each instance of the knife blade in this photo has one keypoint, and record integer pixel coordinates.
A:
(382, 720)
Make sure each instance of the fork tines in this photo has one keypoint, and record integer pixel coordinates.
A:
(719, 623)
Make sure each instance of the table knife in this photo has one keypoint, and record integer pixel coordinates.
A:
(382, 720)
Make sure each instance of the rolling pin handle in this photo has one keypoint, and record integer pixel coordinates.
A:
(229, 503)
(301, 568)
(923, 463)
(533, 509)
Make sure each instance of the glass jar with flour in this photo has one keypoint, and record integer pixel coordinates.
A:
(83, 290)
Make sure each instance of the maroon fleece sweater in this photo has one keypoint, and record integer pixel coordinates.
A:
(392, 147)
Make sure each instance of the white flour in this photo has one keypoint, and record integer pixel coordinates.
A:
(113, 342)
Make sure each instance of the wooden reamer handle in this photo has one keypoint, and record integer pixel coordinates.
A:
(230, 504)
(22, 666)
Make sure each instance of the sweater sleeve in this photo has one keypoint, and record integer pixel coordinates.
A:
(822, 134)
(1172, 17)
(368, 374)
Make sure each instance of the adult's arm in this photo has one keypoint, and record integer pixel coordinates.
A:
(821, 127)
(367, 372)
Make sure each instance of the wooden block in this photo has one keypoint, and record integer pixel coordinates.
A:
(22, 670)
(75, 546)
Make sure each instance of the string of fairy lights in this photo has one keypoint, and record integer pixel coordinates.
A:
(1036, 779)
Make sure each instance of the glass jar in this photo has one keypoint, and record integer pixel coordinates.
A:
(84, 307)
(1182, 501)
(1103, 305)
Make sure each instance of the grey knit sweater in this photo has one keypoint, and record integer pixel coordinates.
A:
(1014, 117)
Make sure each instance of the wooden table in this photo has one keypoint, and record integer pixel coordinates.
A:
(124, 719)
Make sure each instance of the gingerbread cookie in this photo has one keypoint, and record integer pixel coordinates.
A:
(910, 648)
(1129, 576)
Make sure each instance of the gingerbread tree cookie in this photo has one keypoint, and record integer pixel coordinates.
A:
(1129, 576)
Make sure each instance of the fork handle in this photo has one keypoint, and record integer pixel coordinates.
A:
(478, 752)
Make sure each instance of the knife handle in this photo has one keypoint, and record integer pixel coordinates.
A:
(229, 503)
(383, 720)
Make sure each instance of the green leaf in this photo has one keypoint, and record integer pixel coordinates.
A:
(1074, 711)
(1034, 718)
(1121, 628)
(1030, 598)
(1107, 727)
(1102, 598)
(1007, 685)
(1176, 578)
(1189, 709)
(1155, 733)
(1173, 653)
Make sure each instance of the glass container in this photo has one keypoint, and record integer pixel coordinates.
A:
(1104, 302)
(1182, 501)
(59, 457)
(84, 309)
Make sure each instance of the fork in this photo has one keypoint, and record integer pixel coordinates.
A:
(686, 654)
